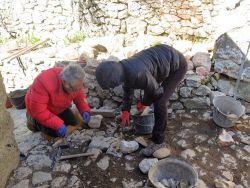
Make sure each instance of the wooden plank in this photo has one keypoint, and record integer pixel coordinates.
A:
(23, 51)
(75, 156)
(108, 113)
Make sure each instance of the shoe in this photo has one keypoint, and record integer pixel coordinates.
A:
(148, 151)
(31, 123)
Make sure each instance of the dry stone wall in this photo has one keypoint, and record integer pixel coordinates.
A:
(57, 19)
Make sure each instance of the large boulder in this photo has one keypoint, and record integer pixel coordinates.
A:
(227, 86)
(9, 154)
(229, 52)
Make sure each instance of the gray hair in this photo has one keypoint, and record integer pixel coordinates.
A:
(72, 73)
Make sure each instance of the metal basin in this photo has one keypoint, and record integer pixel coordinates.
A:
(172, 168)
(227, 111)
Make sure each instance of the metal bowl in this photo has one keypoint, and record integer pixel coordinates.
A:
(172, 168)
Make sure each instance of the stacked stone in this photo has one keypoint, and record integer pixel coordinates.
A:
(97, 97)
(18, 77)
(58, 19)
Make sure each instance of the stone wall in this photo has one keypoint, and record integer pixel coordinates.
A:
(198, 83)
(207, 69)
(192, 94)
(9, 154)
(57, 19)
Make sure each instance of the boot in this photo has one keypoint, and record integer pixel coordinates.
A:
(148, 151)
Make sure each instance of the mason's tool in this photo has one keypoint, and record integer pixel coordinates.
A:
(64, 157)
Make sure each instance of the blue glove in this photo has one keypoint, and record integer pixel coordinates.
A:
(62, 131)
(86, 117)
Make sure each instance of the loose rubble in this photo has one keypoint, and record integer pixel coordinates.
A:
(146, 164)
(115, 155)
(225, 139)
(128, 146)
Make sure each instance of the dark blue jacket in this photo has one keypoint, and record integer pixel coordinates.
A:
(146, 70)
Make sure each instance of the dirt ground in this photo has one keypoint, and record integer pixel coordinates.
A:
(198, 131)
(194, 126)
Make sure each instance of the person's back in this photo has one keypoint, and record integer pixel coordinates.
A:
(158, 60)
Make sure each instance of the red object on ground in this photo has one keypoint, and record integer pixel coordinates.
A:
(46, 98)
(8, 103)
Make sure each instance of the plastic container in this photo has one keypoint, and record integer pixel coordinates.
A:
(172, 168)
(143, 124)
(227, 111)
(17, 98)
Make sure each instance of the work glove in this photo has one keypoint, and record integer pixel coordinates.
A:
(125, 118)
(140, 107)
(62, 131)
(86, 117)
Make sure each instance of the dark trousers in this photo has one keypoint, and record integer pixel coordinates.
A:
(160, 105)
(67, 116)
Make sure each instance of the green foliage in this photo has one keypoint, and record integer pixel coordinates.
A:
(194, 39)
(197, 39)
(75, 38)
(155, 43)
(2, 41)
(31, 39)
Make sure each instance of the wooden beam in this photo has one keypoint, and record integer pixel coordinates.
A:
(21, 52)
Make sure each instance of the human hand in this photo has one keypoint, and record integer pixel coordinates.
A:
(86, 117)
(62, 131)
(140, 107)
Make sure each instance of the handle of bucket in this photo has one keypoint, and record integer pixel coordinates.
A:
(139, 124)
(244, 110)
(221, 111)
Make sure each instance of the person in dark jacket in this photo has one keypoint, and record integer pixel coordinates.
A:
(157, 70)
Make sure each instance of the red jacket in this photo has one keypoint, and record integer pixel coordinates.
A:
(46, 99)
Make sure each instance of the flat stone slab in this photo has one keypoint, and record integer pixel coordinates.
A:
(95, 121)
(41, 177)
(104, 163)
(146, 164)
(162, 153)
(39, 161)
(128, 146)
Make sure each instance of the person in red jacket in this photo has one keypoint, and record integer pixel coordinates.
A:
(49, 98)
